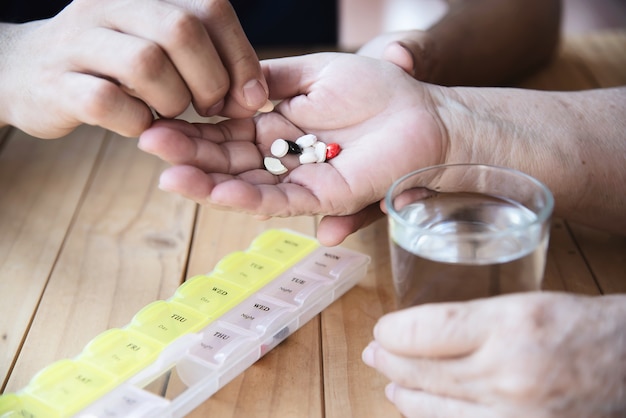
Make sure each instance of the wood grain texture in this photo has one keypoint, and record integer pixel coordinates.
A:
(39, 197)
(125, 248)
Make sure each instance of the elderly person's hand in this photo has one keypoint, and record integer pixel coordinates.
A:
(111, 63)
(522, 355)
(389, 124)
(385, 121)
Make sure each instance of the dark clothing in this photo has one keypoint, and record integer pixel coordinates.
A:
(288, 22)
(266, 22)
(17, 11)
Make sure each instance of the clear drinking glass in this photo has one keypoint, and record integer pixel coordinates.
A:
(467, 231)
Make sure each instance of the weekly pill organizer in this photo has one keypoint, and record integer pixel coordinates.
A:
(213, 328)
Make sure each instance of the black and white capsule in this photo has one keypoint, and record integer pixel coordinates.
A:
(282, 147)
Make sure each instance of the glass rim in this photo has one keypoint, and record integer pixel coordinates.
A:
(542, 215)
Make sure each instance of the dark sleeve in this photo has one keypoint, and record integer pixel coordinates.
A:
(266, 22)
(20, 11)
(288, 22)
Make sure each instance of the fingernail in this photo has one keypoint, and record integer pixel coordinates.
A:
(368, 355)
(215, 109)
(376, 330)
(254, 94)
(390, 391)
(410, 52)
(164, 184)
(267, 107)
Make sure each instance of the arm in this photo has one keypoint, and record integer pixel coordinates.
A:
(573, 142)
(477, 42)
(388, 125)
(108, 64)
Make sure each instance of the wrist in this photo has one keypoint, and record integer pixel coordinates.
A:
(458, 124)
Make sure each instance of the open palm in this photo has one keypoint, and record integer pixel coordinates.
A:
(385, 122)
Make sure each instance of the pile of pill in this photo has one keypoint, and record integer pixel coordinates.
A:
(308, 149)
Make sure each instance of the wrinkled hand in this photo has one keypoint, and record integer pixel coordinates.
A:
(385, 122)
(411, 50)
(108, 63)
(523, 355)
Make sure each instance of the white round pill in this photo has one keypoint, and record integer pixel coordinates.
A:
(274, 166)
(308, 158)
(320, 151)
(306, 140)
(279, 148)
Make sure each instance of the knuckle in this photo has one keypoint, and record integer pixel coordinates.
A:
(149, 62)
(182, 27)
(217, 7)
(520, 387)
(99, 102)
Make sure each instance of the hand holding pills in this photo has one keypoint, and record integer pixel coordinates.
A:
(120, 60)
(373, 126)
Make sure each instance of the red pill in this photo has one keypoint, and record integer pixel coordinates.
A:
(332, 150)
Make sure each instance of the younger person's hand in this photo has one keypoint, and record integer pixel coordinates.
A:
(110, 63)
(385, 122)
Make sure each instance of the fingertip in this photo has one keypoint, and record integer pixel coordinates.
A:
(400, 55)
(376, 331)
(328, 234)
(383, 207)
(130, 124)
(214, 109)
(368, 355)
(167, 181)
(390, 392)
(254, 94)
(187, 181)
(144, 142)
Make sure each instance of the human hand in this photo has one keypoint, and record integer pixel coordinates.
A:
(385, 121)
(411, 50)
(108, 63)
(521, 355)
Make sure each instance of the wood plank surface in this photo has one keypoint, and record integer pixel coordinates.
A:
(126, 248)
(566, 269)
(41, 186)
(603, 54)
(352, 389)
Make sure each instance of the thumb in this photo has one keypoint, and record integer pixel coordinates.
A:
(415, 54)
(411, 50)
(399, 54)
(293, 76)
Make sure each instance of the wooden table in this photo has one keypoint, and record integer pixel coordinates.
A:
(87, 239)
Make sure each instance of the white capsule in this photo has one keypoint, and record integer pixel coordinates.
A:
(320, 151)
(279, 148)
(306, 140)
(274, 166)
(307, 157)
